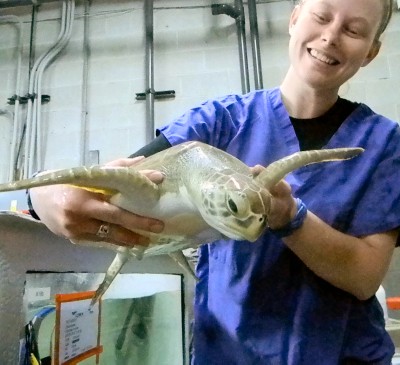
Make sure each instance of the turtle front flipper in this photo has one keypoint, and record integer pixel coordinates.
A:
(102, 179)
(277, 170)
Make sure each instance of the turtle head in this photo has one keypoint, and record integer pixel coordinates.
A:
(235, 206)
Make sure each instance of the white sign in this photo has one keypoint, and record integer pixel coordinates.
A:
(77, 330)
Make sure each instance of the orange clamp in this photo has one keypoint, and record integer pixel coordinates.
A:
(393, 303)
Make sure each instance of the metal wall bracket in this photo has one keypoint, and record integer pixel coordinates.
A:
(167, 94)
(24, 99)
(233, 11)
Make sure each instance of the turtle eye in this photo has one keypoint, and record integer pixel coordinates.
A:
(236, 204)
(232, 206)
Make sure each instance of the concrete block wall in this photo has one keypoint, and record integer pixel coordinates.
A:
(195, 54)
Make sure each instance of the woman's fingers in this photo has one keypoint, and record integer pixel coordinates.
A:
(77, 214)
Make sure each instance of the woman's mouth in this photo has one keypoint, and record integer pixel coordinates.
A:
(322, 57)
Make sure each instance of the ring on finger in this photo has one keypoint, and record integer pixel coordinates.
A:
(103, 231)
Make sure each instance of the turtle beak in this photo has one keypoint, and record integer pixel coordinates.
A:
(249, 229)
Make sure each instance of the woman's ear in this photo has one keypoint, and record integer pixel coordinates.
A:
(293, 18)
(373, 52)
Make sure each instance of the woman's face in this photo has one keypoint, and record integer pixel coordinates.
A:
(332, 39)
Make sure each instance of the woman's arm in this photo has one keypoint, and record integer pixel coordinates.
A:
(77, 214)
(354, 264)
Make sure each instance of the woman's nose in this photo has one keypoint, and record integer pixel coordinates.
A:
(331, 34)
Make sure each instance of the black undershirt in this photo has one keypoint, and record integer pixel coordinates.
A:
(158, 144)
(312, 133)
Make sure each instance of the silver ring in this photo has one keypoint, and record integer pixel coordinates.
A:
(104, 231)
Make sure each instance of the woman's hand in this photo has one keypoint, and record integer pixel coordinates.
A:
(283, 206)
(343, 260)
(77, 214)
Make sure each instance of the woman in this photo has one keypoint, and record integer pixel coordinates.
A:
(304, 293)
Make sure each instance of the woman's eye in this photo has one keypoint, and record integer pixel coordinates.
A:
(320, 17)
(352, 31)
(355, 32)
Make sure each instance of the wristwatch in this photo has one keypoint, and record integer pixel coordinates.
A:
(295, 223)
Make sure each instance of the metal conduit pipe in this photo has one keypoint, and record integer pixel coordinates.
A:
(22, 158)
(241, 35)
(237, 12)
(149, 35)
(16, 122)
(32, 41)
(85, 81)
(33, 146)
(36, 137)
(255, 44)
(31, 101)
(54, 52)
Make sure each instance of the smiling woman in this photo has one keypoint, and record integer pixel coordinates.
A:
(303, 293)
(331, 40)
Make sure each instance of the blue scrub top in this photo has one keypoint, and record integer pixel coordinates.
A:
(257, 303)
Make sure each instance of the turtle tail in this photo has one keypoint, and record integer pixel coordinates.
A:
(277, 170)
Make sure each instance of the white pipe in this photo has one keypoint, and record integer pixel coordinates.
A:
(32, 79)
(85, 73)
(55, 51)
(37, 70)
(16, 123)
(36, 129)
(7, 113)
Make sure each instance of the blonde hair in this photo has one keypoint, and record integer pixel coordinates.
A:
(386, 16)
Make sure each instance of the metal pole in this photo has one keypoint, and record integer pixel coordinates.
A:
(255, 44)
(32, 40)
(241, 34)
(85, 73)
(149, 31)
(237, 12)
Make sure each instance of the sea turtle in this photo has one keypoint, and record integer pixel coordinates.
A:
(206, 195)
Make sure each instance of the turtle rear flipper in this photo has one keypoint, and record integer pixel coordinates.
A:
(113, 270)
(182, 261)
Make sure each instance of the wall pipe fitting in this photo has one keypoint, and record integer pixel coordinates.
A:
(227, 9)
